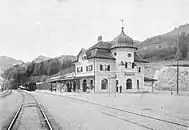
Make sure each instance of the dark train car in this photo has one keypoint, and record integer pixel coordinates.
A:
(31, 86)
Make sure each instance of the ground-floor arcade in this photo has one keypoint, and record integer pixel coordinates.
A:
(99, 83)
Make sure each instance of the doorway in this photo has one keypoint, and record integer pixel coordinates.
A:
(84, 85)
(129, 84)
(74, 86)
(137, 84)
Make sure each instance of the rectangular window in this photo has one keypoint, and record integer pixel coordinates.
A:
(139, 69)
(108, 67)
(89, 68)
(125, 64)
(133, 65)
(100, 67)
(104, 67)
(79, 69)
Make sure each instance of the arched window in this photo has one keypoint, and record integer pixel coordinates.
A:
(104, 84)
(128, 84)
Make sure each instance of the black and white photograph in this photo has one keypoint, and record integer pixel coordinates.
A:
(94, 64)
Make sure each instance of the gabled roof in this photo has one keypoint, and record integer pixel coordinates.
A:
(99, 50)
(103, 49)
(101, 45)
(99, 53)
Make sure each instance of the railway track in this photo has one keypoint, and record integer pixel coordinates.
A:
(29, 108)
(133, 117)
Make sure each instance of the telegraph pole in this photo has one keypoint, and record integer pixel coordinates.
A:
(177, 77)
(178, 35)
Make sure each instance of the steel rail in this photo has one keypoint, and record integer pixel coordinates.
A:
(124, 119)
(20, 108)
(43, 113)
(16, 115)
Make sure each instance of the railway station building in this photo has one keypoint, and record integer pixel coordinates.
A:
(107, 65)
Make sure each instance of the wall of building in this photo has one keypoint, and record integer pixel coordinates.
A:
(84, 63)
(100, 75)
(122, 55)
(115, 68)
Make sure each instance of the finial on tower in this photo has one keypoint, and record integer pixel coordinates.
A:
(122, 26)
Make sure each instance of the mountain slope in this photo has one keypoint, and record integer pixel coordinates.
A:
(40, 59)
(63, 58)
(161, 47)
(6, 62)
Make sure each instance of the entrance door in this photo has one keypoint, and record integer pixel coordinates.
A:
(84, 85)
(137, 84)
(91, 84)
(74, 86)
(129, 84)
(68, 87)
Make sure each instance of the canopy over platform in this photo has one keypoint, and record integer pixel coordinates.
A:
(147, 79)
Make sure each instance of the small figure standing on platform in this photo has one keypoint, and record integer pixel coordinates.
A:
(116, 88)
(120, 89)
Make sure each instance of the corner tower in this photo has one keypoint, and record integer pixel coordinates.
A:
(123, 49)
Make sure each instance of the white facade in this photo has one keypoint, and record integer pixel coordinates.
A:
(122, 73)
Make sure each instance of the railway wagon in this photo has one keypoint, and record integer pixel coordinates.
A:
(31, 86)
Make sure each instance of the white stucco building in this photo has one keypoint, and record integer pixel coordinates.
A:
(109, 65)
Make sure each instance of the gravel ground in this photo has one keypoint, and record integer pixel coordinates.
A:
(173, 108)
(8, 106)
(76, 115)
(5, 93)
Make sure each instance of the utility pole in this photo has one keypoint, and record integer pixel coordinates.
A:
(177, 77)
(178, 35)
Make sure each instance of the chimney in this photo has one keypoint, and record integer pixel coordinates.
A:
(99, 38)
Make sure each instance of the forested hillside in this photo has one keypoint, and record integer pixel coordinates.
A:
(165, 47)
(19, 74)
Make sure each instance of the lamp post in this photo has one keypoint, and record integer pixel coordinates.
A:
(109, 85)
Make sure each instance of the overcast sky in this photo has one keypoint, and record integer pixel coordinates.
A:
(29, 28)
